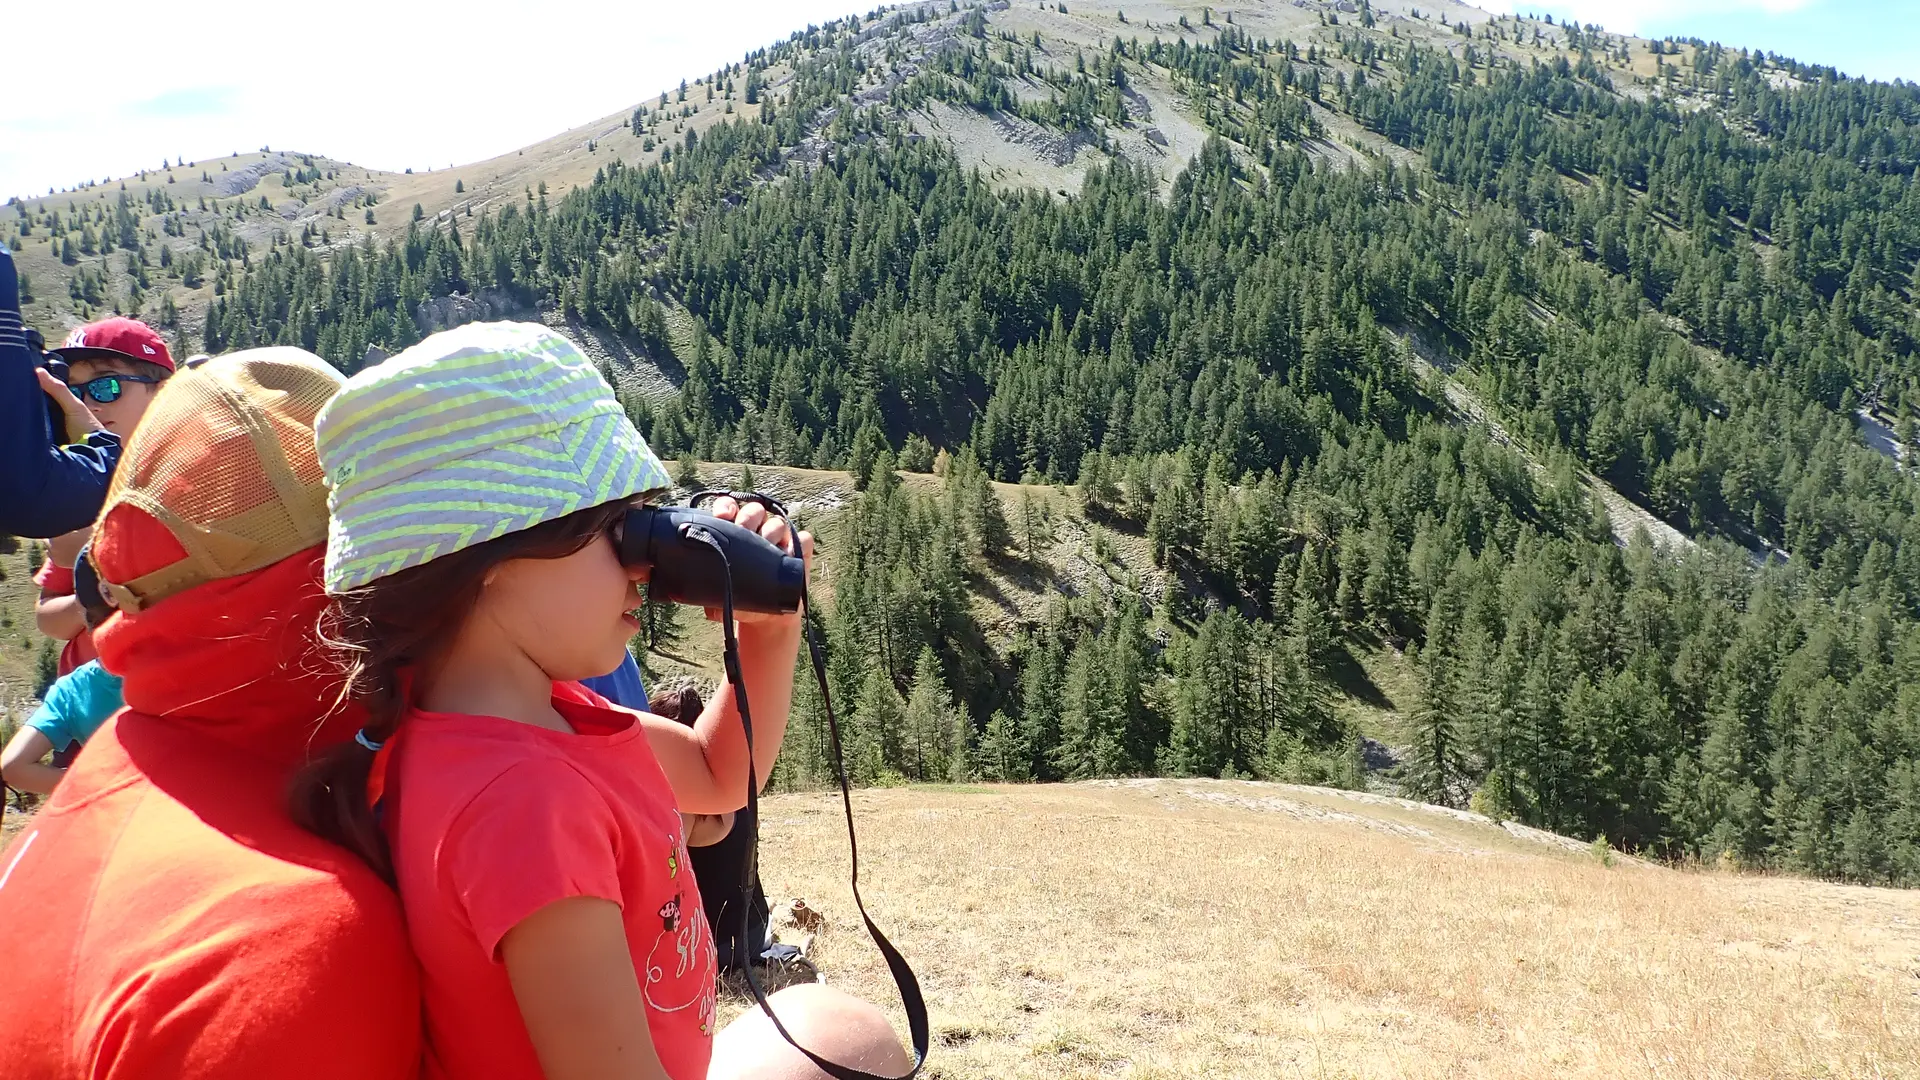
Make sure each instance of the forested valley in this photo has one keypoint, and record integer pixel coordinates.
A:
(1687, 295)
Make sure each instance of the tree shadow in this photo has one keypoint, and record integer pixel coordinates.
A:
(1110, 518)
(1033, 575)
(1351, 676)
(988, 586)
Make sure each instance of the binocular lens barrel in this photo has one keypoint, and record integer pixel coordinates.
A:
(684, 547)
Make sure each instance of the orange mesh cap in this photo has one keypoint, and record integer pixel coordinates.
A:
(224, 462)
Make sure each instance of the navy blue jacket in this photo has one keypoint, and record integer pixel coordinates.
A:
(45, 490)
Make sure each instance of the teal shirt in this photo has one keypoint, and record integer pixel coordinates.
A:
(77, 705)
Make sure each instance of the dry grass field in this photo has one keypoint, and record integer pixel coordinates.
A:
(1220, 929)
(1181, 928)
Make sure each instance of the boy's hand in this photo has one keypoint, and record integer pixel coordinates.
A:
(80, 420)
(755, 517)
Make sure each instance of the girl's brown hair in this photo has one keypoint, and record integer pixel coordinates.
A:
(382, 628)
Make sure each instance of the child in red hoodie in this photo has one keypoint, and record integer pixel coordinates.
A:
(181, 923)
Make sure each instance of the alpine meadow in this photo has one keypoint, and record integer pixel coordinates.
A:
(1494, 412)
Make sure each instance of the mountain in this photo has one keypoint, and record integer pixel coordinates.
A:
(1502, 411)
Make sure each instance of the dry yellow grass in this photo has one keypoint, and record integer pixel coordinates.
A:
(1217, 929)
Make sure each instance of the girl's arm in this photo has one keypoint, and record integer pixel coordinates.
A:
(573, 977)
(59, 617)
(706, 764)
(20, 762)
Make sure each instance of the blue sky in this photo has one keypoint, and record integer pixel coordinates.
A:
(1879, 39)
(394, 84)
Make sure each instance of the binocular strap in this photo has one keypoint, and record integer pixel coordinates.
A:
(903, 977)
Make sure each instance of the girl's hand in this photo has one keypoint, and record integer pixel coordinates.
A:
(755, 517)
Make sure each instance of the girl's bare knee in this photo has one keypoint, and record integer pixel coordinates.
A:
(835, 1025)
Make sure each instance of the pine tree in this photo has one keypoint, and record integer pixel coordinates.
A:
(1087, 727)
(1003, 753)
(881, 746)
(46, 668)
(1041, 680)
(929, 722)
(1309, 624)
(1435, 766)
(1035, 528)
(869, 445)
(662, 625)
(1209, 735)
(686, 473)
(1138, 732)
(960, 763)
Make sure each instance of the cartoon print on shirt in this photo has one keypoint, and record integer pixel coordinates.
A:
(679, 968)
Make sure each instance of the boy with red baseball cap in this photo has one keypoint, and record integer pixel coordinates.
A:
(114, 368)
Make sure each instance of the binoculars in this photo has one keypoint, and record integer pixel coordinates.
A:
(696, 557)
(58, 369)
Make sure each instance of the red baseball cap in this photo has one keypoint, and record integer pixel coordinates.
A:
(127, 339)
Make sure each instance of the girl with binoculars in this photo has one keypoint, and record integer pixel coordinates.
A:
(481, 488)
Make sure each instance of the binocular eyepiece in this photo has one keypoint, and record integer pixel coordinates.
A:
(694, 555)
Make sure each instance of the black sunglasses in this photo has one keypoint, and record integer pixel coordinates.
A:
(107, 389)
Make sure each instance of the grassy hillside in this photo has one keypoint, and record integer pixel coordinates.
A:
(1074, 556)
(20, 642)
(1210, 929)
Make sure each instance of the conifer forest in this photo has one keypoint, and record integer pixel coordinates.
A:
(1693, 297)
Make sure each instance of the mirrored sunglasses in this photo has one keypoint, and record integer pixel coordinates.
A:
(107, 388)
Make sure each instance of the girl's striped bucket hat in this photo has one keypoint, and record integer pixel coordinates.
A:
(472, 434)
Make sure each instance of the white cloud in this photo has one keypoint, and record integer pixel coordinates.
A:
(1632, 16)
(383, 83)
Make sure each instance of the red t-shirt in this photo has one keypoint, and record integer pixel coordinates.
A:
(58, 581)
(491, 820)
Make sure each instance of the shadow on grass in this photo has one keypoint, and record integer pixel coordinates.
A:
(1033, 575)
(1348, 674)
(771, 977)
(1120, 523)
(988, 586)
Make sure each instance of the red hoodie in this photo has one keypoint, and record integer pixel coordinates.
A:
(163, 916)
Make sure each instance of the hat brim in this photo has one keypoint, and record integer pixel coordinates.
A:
(83, 352)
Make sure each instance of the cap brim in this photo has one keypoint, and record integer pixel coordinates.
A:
(83, 352)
